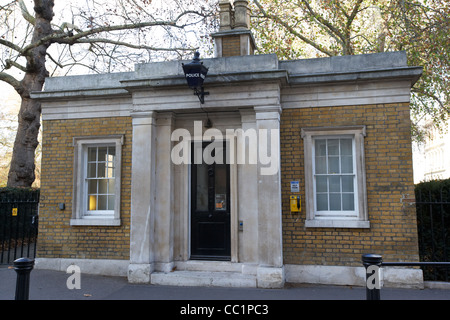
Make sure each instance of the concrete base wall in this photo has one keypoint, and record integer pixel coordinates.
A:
(353, 276)
(105, 267)
(210, 273)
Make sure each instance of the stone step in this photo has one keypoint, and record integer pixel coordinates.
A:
(204, 279)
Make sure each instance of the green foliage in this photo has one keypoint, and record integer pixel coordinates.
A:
(321, 28)
(435, 190)
(9, 194)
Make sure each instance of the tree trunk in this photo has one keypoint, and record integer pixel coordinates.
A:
(21, 173)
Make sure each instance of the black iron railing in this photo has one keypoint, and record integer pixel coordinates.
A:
(372, 263)
(18, 225)
(433, 226)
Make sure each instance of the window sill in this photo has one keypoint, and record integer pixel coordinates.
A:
(95, 222)
(329, 223)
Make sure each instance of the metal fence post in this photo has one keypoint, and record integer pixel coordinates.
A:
(23, 267)
(372, 278)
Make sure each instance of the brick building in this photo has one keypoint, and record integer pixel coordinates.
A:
(123, 194)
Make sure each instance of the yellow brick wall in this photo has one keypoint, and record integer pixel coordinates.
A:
(389, 174)
(231, 46)
(57, 238)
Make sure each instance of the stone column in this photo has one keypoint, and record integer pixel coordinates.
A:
(164, 199)
(270, 272)
(142, 197)
(246, 158)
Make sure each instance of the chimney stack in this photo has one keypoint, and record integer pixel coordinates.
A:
(225, 15)
(234, 37)
(241, 15)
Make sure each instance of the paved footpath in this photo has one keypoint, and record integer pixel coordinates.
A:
(170, 302)
(51, 285)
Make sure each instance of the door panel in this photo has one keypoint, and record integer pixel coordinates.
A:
(210, 213)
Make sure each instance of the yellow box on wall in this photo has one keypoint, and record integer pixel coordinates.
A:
(296, 204)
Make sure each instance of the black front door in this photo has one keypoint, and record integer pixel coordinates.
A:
(210, 203)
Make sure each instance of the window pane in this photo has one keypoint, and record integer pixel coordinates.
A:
(92, 186)
(322, 202)
(333, 165)
(335, 201)
(111, 152)
(202, 187)
(321, 165)
(111, 162)
(102, 203)
(221, 187)
(321, 148)
(333, 147)
(101, 170)
(111, 200)
(348, 202)
(92, 154)
(92, 170)
(347, 184)
(347, 164)
(346, 147)
(111, 186)
(110, 172)
(102, 186)
(321, 185)
(92, 202)
(335, 184)
(102, 153)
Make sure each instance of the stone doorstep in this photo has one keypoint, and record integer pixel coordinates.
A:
(204, 278)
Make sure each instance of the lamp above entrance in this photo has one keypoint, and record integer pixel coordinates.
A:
(195, 73)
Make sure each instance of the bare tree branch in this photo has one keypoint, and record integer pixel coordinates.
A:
(25, 13)
(10, 63)
(69, 38)
(292, 30)
(105, 31)
(16, 84)
(6, 6)
(129, 45)
(11, 45)
(54, 61)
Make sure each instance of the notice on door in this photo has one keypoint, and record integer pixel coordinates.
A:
(221, 202)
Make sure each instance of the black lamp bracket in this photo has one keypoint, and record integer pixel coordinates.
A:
(201, 94)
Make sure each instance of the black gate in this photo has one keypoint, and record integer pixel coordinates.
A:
(433, 222)
(18, 224)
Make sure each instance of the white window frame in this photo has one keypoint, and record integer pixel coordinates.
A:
(80, 215)
(340, 219)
